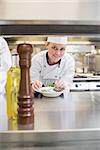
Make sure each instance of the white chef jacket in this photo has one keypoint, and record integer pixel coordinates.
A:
(3, 113)
(5, 63)
(47, 74)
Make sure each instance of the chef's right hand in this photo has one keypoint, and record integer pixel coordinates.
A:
(36, 85)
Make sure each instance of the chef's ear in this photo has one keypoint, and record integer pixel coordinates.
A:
(46, 44)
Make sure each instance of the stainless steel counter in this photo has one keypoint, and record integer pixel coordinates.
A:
(71, 122)
(74, 111)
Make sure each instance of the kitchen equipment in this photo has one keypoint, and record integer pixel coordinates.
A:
(93, 62)
(90, 62)
(97, 63)
(86, 84)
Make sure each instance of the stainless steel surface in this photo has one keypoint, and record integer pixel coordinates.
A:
(53, 140)
(49, 22)
(62, 122)
(70, 145)
(51, 27)
(93, 62)
(74, 111)
(97, 63)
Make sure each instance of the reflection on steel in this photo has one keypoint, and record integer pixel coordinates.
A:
(71, 120)
(48, 22)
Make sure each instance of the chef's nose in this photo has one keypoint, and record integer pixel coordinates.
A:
(58, 52)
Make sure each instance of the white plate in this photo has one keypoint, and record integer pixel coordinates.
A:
(49, 92)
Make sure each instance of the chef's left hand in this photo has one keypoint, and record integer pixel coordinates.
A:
(59, 85)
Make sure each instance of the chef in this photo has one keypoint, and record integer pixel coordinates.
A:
(53, 66)
(5, 63)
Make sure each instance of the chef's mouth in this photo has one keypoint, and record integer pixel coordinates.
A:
(56, 57)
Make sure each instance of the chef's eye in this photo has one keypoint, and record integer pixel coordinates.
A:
(62, 49)
(54, 47)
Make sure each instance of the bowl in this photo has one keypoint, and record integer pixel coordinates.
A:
(49, 92)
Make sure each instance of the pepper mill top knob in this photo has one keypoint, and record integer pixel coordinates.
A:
(22, 48)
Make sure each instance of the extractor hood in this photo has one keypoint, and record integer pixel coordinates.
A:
(43, 27)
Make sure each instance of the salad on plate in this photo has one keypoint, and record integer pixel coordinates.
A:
(49, 91)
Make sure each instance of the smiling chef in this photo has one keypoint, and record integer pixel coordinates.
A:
(53, 66)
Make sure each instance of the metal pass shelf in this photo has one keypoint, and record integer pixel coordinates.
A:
(64, 122)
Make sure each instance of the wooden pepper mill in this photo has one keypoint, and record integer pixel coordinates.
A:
(25, 103)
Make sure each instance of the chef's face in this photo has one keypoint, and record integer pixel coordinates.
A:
(55, 51)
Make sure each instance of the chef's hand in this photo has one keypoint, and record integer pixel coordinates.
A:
(36, 85)
(59, 85)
